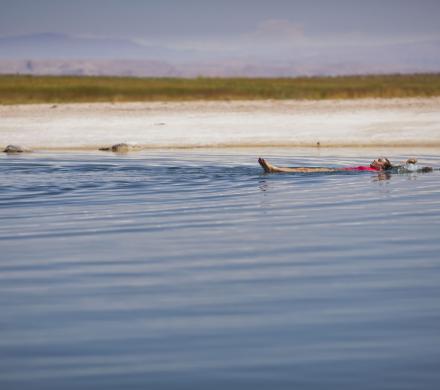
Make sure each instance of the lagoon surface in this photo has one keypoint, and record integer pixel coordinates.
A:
(192, 269)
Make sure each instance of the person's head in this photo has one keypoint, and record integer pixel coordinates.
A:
(382, 163)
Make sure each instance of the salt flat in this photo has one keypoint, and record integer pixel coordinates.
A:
(363, 122)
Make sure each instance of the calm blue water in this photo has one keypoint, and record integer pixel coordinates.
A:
(194, 270)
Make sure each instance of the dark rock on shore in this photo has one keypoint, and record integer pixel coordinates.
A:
(120, 148)
(15, 149)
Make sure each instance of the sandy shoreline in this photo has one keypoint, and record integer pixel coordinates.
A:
(353, 123)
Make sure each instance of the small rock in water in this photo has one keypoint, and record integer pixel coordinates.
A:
(14, 149)
(119, 148)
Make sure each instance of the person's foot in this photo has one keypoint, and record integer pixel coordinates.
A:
(265, 165)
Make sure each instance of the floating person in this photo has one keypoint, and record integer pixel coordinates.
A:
(382, 164)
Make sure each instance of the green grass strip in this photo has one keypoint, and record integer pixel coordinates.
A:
(16, 89)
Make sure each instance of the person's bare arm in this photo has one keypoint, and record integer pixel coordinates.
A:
(269, 168)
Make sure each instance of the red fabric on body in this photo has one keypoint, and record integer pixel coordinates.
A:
(361, 168)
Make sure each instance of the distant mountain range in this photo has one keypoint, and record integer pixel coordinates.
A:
(63, 46)
(60, 54)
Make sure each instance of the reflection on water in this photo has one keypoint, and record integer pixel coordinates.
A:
(195, 270)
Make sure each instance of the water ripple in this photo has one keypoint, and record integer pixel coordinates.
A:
(179, 270)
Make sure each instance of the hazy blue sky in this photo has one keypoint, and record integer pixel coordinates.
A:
(310, 36)
(183, 20)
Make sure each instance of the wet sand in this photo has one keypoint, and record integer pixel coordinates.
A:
(411, 122)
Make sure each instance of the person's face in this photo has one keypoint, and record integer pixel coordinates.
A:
(380, 164)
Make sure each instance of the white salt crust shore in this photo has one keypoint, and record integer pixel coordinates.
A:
(353, 123)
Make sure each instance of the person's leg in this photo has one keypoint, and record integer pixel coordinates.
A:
(269, 168)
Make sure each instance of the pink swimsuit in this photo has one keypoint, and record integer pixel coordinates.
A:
(360, 168)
